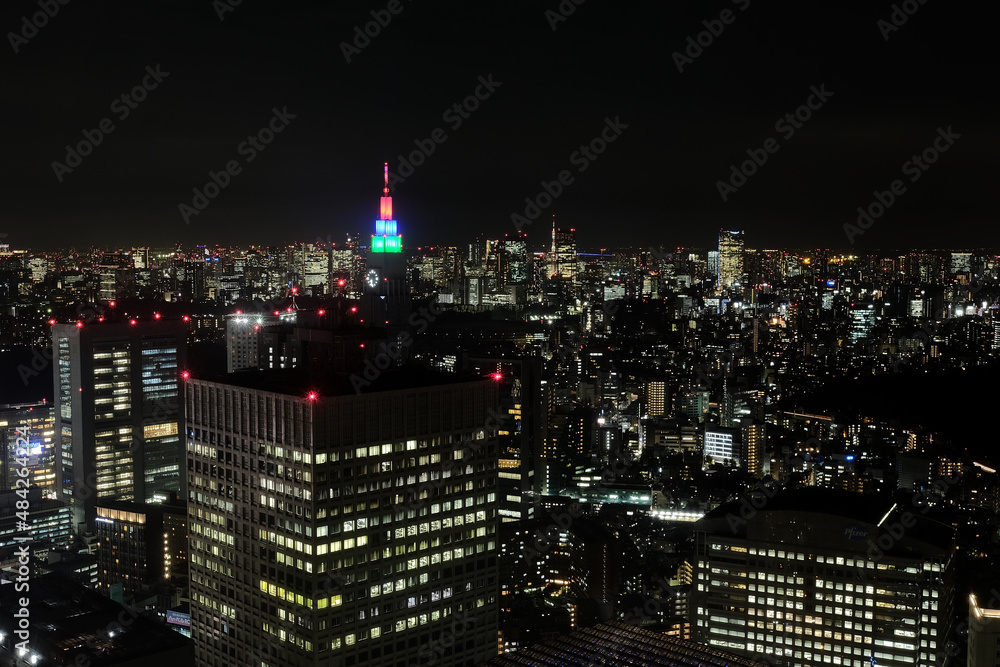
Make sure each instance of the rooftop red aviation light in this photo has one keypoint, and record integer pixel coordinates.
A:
(156, 316)
(186, 318)
(497, 376)
(185, 375)
(52, 320)
(312, 395)
(112, 304)
(133, 322)
(79, 324)
(322, 312)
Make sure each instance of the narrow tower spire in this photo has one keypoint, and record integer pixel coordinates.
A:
(385, 206)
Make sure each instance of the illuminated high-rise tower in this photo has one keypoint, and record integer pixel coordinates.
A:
(730, 258)
(117, 413)
(564, 258)
(386, 297)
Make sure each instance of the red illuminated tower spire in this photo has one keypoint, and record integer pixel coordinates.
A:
(385, 207)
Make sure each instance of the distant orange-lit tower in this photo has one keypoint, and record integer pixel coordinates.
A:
(563, 260)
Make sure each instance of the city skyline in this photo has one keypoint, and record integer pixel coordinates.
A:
(671, 338)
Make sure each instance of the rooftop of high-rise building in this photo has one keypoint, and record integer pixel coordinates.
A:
(303, 383)
(863, 517)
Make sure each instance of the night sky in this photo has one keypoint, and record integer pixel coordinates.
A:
(657, 183)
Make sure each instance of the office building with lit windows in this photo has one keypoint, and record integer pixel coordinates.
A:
(117, 412)
(50, 520)
(656, 398)
(335, 528)
(564, 257)
(723, 445)
(139, 545)
(34, 423)
(814, 577)
(730, 258)
(245, 333)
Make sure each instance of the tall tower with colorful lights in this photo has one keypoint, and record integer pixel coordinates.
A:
(386, 296)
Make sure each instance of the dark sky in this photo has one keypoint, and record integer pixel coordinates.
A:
(656, 184)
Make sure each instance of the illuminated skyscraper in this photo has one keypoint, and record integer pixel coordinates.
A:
(117, 412)
(564, 259)
(386, 296)
(314, 268)
(862, 320)
(730, 258)
(331, 528)
(517, 268)
(817, 577)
